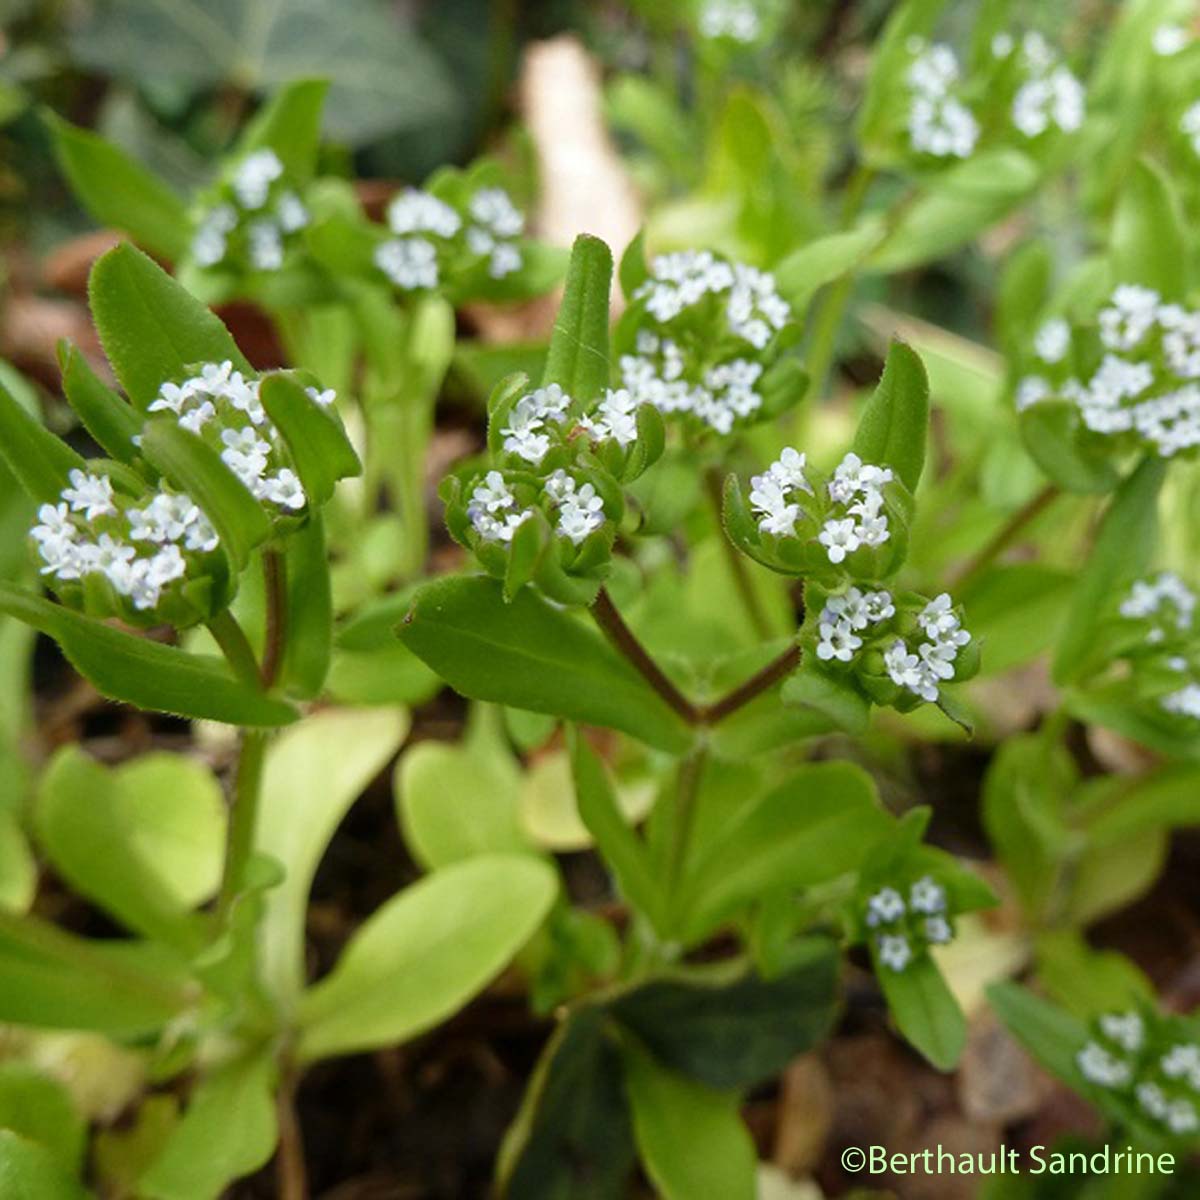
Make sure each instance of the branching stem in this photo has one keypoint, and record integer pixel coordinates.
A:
(1004, 537)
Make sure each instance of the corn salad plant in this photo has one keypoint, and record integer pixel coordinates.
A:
(695, 602)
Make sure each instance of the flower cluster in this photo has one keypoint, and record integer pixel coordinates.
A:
(1133, 375)
(1149, 1065)
(222, 406)
(253, 219)
(939, 123)
(841, 526)
(1169, 40)
(703, 331)
(1050, 95)
(738, 20)
(433, 238)
(904, 924)
(1189, 125)
(495, 514)
(141, 546)
(923, 670)
(1164, 609)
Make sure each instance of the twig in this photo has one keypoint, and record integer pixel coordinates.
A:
(275, 585)
(1003, 537)
(777, 669)
(243, 817)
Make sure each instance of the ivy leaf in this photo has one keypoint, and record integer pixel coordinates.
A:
(925, 1010)
(118, 191)
(1122, 549)
(735, 1031)
(578, 356)
(143, 673)
(447, 931)
(40, 461)
(192, 464)
(151, 328)
(894, 425)
(693, 1143)
(530, 654)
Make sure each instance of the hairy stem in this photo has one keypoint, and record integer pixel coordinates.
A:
(234, 644)
(275, 587)
(1004, 537)
(612, 624)
(737, 563)
(762, 681)
(243, 817)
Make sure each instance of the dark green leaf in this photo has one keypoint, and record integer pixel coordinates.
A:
(736, 1033)
(578, 357)
(572, 1139)
(192, 464)
(40, 461)
(143, 673)
(533, 655)
(619, 845)
(308, 631)
(110, 419)
(314, 436)
(1122, 549)
(152, 329)
(894, 424)
(118, 191)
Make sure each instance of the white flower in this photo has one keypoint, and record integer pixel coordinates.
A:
(54, 523)
(1189, 124)
(615, 418)
(324, 398)
(195, 420)
(894, 951)
(409, 263)
(938, 931)
(1169, 40)
(265, 245)
(580, 514)
(1126, 1029)
(1052, 340)
(291, 213)
(737, 20)
(1033, 389)
(878, 606)
(839, 538)
(504, 260)
(493, 208)
(884, 907)
(493, 495)
(414, 211)
(1098, 1066)
(1181, 1117)
(1182, 1061)
(850, 608)
(89, 494)
(837, 641)
(927, 896)
(253, 178)
(284, 489)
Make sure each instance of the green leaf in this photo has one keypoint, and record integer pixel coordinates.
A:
(1052, 1035)
(290, 125)
(633, 271)
(533, 655)
(1122, 549)
(145, 673)
(925, 1011)
(308, 631)
(314, 436)
(40, 461)
(1050, 432)
(192, 464)
(56, 980)
(1089, 982)
(447, 933)
(118, 191)
(161, 821)
(572, 1139)
(806, 270)
(1017, 611)
(29, 1172)
(1163, 799)
(313, 774)
(37, 1106)
(457, 801)
(691, 1138)
(894, 425)
(110, 419)
(622, 850)
(1150, 245)
(151, 328)
(817, 825)
(736, 1032)
(834, 697)
(578, 357)
(383, 77)
(228, 1130)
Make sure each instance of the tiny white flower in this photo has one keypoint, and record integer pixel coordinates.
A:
(839, 538)
(89, 494)
(884, 907)
(837, 641)
(894, 951)
(927, 896)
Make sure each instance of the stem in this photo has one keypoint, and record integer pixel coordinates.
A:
(275, 587)
(291, 1175)
(691, 771)
(737, 564)
(243, 817)
(234, 644)
(1004, 536)
(612, 624)
(777, 669)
